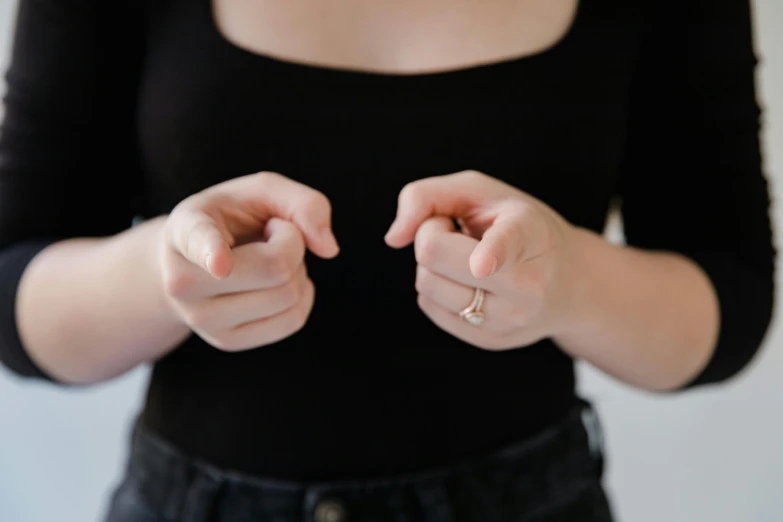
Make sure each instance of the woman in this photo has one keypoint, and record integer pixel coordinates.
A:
(370, 240)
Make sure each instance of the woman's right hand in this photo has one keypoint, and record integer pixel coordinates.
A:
(232, 259)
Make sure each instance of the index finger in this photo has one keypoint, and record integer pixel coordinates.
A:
(456, 195)
(273, 195)
(440, 195)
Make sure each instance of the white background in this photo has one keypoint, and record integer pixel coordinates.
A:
(706, 456)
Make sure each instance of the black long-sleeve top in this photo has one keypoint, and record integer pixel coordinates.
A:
(122, 109)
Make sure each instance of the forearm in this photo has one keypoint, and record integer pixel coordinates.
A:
(649, 319)
(91, 309)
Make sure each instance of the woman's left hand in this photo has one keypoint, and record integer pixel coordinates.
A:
(514, 247)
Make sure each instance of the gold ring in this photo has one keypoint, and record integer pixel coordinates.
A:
(473, 313)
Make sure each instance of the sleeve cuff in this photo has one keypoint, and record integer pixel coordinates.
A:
(13, 355)
(746, 300)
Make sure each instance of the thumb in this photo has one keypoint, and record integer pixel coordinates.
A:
(506, 242)
(200, 240)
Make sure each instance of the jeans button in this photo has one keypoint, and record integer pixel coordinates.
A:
(329, 511)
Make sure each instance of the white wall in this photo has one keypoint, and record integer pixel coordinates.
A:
(712, 456)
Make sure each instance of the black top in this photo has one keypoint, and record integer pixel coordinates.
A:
(118, 109)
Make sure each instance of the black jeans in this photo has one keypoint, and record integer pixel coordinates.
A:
(553, 477)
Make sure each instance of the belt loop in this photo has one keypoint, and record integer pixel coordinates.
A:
(595, 433)
(201, 498)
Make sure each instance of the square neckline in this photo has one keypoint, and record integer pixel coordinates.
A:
(295, 66)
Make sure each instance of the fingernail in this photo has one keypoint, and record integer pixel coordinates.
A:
(494, 266)
(208, 265)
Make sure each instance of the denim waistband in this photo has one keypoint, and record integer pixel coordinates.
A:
(522, 477)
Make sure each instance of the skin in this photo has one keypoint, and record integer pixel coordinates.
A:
(394, 36)
(647, 318)
(201, 269)
(227, 263)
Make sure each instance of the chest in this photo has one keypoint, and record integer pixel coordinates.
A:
(394, 35)
(551, 122)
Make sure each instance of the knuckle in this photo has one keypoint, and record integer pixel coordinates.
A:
(316, 200)
(523, 209)
(197, 316)
(296, 317)
(426, 250)
(424, 280)
(309, 293)
(201, 317)
(267, 176)
(471, 174)
(280, 269)
(306, 291)
(496, 345)
(226, 343)
(301, 314)
(186, 206)
(484, 345)
(313, 205)
(268, 182)
(411, 191)
(492, 344)
(291, 293)
(523, 213)
(193, 206)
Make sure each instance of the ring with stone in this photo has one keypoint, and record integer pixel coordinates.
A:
(473, 313)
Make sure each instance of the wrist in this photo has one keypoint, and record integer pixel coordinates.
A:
(141, 246)
(581, 276)
(154, 243)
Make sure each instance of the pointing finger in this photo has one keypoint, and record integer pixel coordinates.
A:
(454, 195)
(274, 195)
